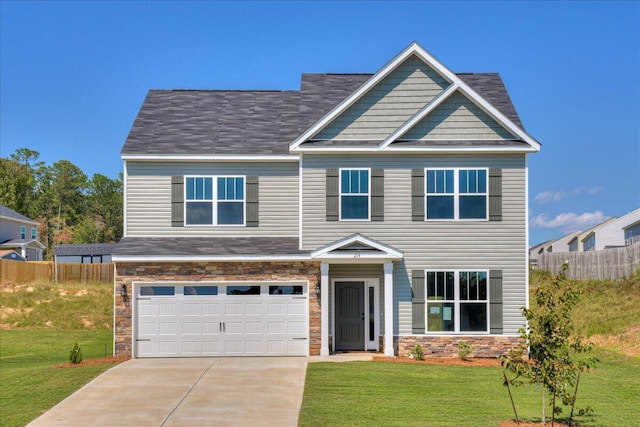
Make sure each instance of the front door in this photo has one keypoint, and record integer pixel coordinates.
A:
(349, 315)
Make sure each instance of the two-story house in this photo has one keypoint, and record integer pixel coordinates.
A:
(20, 234)
(361, 212)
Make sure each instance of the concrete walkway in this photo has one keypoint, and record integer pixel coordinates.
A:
(240, 391)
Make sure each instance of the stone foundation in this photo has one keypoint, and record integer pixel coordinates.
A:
(447, 346)
(127, 273)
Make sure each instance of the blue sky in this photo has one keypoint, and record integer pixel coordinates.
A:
(74, 74)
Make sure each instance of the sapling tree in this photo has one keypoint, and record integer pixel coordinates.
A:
(556, 353)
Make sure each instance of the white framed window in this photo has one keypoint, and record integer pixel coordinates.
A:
(456, 194)
(355, 194)
(34, 233)
(23, 232)
(215, 200)
(457, 301)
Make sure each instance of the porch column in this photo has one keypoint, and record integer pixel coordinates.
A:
(324, 309)
(388, 309)
(23, 251)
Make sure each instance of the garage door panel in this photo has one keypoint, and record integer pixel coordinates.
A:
(167, 309)
(219, 324)
(191, 309)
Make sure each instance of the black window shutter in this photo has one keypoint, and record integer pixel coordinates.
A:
(333, 193)
(495, 301)
(377, 194)
(495, 194)
(417, 302)
(177, 201)
(417, 194)
(253, 198)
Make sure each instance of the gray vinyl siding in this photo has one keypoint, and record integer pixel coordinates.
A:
(457, 118)
(10, 229)
(389, 104)
(149, 199)
(486, 245)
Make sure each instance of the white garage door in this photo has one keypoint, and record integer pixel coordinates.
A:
(200, 319)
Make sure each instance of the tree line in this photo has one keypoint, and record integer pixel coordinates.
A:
(70, 207)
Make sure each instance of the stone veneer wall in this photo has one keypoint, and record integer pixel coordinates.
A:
(127, 273)
(447, 346)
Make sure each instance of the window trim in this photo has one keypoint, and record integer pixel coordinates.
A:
(456, 302)
(214, 201)
(23, 232)
(34, 233)
(456, 193)
(340, 194)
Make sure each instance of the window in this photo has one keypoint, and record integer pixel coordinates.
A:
(23, 232)
(158, 290)
(573, 245)
(200, 290)
(589, 244)
(34, 233)
(632, 235)
(354, 194)
(243, 290)
(215, 200)
(456, 194)
(285, 290)
(457, 301)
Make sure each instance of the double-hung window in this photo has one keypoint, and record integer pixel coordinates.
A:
(457, 301)
(34, 233)
(456, 194)
(355, 197)
(23, 232)
(215, 200)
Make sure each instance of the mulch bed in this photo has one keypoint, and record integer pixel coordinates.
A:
(442, 361)
(88, 362)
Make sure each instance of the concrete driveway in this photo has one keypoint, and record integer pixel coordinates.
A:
(241, 391)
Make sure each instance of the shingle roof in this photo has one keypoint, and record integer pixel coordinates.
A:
(201, 122)
(84, 249)
(10, 213)
(208, 246)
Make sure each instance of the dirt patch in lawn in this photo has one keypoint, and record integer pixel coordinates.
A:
(628, 342)
(442, 361)
(89, 362)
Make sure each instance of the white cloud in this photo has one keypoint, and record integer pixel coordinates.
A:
(549, 196)
(569, 221)
(588, 190)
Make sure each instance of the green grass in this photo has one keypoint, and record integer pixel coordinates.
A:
(29, 381)
(394, 394)
(41, 322)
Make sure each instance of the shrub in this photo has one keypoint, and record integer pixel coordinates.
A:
(417, 353)
(464, 350)
(75, 355)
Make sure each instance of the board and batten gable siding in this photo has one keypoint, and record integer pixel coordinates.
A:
(389, 104)
(437, 245)
(149, 198)
(457, 118)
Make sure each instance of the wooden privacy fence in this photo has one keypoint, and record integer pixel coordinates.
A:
(45, 271)
(608, 264)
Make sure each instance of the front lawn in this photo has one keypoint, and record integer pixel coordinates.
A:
(30, 382)
(394, 394)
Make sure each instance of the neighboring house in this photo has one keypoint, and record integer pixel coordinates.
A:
(10, 254)
(610, 234)
(19, 233)
(84, 253)
(535, 251)
(575, 244)
(361, 212)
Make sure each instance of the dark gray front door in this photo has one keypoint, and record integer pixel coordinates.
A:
(349, 315)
